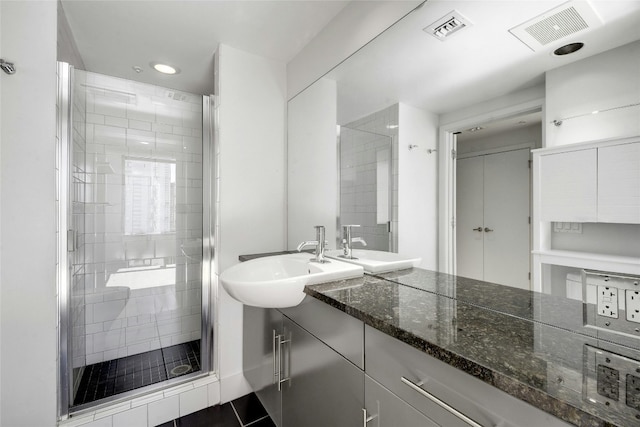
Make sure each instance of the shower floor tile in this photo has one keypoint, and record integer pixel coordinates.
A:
(112, 377)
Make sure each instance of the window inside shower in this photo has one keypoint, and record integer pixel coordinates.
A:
(136, 209)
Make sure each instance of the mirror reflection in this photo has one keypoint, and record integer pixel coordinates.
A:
(462, 112)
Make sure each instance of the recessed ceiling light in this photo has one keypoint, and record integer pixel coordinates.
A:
(137, 69)
(568, 49)
(475, 129)
(164, 68)
(392, 126)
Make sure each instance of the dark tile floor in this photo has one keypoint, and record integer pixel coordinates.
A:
(246, 411)
(111, 377)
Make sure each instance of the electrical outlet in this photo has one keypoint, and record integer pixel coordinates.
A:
(608, 382)
(633, 392)
(632, 305)
(608, 301)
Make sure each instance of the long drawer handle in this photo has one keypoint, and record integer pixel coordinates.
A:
(440, 403)
(287, 373)
(275, 357)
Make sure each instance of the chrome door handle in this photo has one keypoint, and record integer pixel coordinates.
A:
(440, 403)
(282, 371)
(488, 230)
(478, 229)
(277, 358)
(365, 418)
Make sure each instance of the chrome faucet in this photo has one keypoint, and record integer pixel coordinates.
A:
(348, 241)
(320, 244)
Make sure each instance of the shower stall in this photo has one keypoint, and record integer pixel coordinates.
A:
(135, 239)
(366, 186)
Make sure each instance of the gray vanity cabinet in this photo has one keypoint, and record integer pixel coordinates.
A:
(260, 357)
(447, 395)
(385, 409)
(299, 378)
(322, 388)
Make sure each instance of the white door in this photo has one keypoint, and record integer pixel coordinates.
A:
(470, 218)
(493, 192)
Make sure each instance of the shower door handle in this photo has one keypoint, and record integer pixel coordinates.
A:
(71, 241)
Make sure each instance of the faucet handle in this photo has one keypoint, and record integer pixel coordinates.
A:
(346, 227)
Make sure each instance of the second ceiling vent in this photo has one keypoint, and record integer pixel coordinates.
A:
(558, 23)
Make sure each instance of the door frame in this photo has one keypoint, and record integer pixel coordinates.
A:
(447, 174)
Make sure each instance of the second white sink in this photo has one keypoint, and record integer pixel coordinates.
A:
(375, 261)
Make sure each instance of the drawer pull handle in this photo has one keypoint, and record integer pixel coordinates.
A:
(440, 403)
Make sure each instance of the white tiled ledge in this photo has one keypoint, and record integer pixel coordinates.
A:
(155, 408)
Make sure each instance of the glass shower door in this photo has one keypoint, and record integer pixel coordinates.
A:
(366, 186)
(136, 310)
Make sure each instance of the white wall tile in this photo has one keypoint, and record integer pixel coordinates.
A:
(163, 410)
(109, 310)
(132, 418)
(102, 422)
(193, 400)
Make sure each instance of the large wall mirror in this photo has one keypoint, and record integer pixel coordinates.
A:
(423, 137)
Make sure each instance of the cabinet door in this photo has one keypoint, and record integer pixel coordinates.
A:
(619, 184)
(259, 357)
(324, 389)
(385, 409)
(568, 186)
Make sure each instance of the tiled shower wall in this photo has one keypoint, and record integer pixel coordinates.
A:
(78, 203)
(143, 244)
(360, 142)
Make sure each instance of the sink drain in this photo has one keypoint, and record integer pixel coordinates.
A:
(180, 370)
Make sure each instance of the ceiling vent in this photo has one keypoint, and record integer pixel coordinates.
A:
(448, 25)
(558, 23)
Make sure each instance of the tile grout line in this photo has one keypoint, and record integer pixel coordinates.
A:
(236, 412)
(255, 421)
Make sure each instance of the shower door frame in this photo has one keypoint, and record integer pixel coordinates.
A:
(65, 238)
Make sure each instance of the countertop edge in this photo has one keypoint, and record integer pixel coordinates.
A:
(511, 386)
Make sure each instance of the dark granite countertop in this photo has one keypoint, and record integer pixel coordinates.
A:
(530, 345)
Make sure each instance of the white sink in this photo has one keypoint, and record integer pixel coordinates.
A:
(279, 281)
(375, 261)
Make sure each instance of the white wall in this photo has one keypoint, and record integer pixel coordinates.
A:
(67, 48)
(1, 93)
(531, 134)
(251, 185)
(495, 105)
(608, 80)
(357, 24)
(418, 185)
(312, 163)
(28, 279)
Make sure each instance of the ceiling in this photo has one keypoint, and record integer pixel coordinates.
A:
(114, 36)
(481, 62)
(497, 127)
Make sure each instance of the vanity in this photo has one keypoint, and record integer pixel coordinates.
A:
(420, 348)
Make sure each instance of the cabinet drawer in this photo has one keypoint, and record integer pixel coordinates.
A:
(385, 409)
(343, 333)
(389, 360)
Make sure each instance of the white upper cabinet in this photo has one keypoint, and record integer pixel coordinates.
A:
(595, 182)
(619, 183)
(568, 186)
